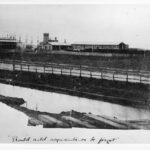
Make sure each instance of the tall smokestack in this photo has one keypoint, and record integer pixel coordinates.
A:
(45, 37)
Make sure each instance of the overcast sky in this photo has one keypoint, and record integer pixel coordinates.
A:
(93, 23)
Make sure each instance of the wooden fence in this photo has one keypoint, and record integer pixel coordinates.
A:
(78, 70)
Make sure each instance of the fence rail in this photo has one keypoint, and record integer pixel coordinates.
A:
(78, 70)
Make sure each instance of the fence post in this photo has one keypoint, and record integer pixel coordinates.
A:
(90, 74)
(21, 67)
(13, 72)
(13, 66)
(127, 77)
(52, 68)
(28, 68)
(140, 79)
(21, 72)
(80, 70)
(44, 68)
(70, 71)
(101, 74)
(61, 70)
(113, 76)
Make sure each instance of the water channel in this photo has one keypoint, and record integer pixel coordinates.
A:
(14, 123)
(56, 103)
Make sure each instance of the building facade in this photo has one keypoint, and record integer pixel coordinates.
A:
(8, 44)
(84, 46)
(49, 45)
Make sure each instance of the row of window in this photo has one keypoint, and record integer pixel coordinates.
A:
(95, 46)
(4, 45)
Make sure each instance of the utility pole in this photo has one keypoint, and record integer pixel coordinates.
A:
(26, 40)
(31, 40)
(19, 39)
(92, 48)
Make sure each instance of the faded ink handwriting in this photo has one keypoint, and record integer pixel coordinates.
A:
(45, 139)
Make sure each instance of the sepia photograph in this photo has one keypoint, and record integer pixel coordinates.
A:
(74, 73)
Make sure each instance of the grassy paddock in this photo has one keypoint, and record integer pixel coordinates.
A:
(137, 62)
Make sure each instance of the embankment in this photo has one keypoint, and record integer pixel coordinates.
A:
(69, 119)
(11, 100)
(73, 118)
(124, 93)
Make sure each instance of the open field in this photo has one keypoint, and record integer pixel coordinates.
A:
(137, 62)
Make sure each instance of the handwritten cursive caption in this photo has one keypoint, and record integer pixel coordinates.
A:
(46, 139)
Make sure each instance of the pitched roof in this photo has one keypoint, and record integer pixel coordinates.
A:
(59, 44)
(7, 40)
(96, 43)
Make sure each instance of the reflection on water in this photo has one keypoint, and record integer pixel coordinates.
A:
(56, 103)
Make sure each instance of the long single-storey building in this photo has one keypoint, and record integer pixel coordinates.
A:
(49, 45)
(84, 46)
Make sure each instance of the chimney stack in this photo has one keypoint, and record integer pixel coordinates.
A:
(56, 39)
